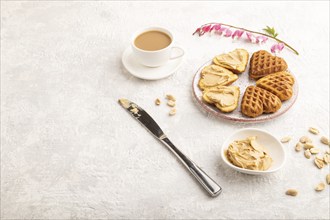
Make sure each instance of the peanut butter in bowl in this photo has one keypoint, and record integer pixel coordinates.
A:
(253, 151)
(248, 154)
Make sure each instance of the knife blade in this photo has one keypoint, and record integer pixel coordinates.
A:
(142, 116)
(149, 123)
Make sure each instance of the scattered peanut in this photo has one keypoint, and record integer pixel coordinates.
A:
(326, 158)
(305, 139)
(172, 112)
(298, 146)
(291, 192)
(327, 178)
(313, 130)
(325, 140)
(308, 145)
(314, 150)
(320, 187)
(285, 139)
(170, 97)
(307, 154)
(170, 103)
(319, 162)
(157, 101)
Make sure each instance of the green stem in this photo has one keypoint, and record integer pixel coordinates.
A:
(256, 32)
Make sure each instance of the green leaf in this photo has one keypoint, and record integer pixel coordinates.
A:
(270, 31)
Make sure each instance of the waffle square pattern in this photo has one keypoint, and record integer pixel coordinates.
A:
(263, 63)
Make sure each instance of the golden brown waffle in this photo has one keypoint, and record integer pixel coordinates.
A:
(214, 75)
(257, 101)
(263, 63)
(280, 84)
(225, 98)
(235, 60)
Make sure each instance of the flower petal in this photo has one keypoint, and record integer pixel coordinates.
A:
(197, 31)
(261, 39)
(237, 34)
(251, 37)
(216, 27)
(276, 48)
(228, 33)
(206, 28)
(281, 46)
(221, 30)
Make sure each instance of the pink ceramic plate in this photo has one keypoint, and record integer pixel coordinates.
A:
(243, 82)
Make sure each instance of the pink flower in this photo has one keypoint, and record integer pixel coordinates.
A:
(237, 34)
(262, 39)
(206, 28)
(197, 31)
(258, 39)
(251, 37)
(216, 27)
(228, 33)
(276, 48)
(221, 30)
(224, 32)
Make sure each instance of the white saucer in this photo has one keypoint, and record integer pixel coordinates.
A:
(149, 73)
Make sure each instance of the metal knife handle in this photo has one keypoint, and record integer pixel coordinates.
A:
(207, 182)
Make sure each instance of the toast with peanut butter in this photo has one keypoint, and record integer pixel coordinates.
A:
(235, 61)
(214, 75)
(225, 98)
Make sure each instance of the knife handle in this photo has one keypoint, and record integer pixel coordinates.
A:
(207, 182)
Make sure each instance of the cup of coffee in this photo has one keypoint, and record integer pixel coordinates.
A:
(153, 47)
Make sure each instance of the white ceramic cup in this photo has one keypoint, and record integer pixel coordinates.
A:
(156, 58)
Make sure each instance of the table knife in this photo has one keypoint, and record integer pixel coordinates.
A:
(148, 122)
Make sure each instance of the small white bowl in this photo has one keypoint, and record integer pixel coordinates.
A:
(274, 148)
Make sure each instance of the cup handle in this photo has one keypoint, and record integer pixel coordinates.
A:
(177, 56)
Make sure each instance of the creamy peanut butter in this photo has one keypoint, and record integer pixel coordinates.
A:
(214, 75)
(124, 102)
(224, 97)
(248, 154)
(134, 110)
(232, 59)
(235, 61)
(214, 79)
